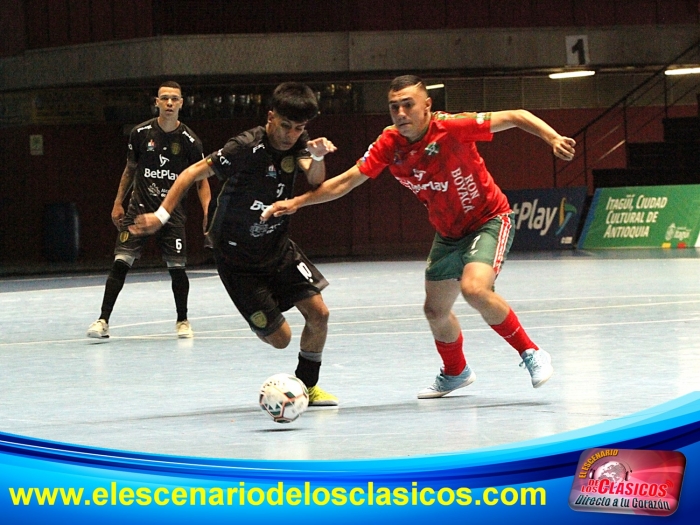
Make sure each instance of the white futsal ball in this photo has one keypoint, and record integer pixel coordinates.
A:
(283, 397)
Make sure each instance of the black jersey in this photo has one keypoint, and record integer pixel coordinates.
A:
(254, 175)
(160, 158)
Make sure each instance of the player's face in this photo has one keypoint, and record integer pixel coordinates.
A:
(410, 111)
(282, 132)
(169, 102)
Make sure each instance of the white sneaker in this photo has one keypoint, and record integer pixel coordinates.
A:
(445, 384)
(99, 329)
(539, 364)
(184, 330)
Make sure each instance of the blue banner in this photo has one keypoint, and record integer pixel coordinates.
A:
(527, 482)
(546, 219)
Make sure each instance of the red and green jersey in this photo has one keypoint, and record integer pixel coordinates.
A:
(444, 170)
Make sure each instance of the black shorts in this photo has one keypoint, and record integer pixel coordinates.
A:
(262, 296)
(171, 241)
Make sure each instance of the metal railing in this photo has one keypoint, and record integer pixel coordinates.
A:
(601, 143)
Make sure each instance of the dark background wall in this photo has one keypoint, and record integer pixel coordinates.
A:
(36, 24)
(82, 163)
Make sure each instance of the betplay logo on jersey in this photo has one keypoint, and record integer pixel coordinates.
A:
(619, 481)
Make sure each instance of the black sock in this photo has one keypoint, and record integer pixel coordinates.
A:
(181, 289)
(308, 370)
(114, 285)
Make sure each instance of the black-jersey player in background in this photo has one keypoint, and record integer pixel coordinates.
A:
(159, 150)
(264, 272)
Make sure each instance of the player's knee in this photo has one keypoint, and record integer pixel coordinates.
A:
(280, 338)
(474, 291)
(433, 313)
(318, 317)
(279, 342)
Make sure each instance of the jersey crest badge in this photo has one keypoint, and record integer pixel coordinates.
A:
(151, 145)
(288, 164)
(271, 171)
(175, 148)
(432, 149)
(124, 236)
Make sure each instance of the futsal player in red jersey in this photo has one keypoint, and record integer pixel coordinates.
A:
(434, 155)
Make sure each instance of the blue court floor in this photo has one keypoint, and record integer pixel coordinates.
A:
(622, 328)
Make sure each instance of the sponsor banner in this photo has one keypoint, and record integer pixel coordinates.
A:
(643, 217)
(546, 219)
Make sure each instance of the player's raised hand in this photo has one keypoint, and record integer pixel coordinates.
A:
(279, 208)
(145, 224)
(563, 147)
(320, 146)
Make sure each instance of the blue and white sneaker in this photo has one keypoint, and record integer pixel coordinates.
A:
(539, 364)
(445, 384)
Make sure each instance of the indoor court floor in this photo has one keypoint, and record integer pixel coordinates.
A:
(621, 326)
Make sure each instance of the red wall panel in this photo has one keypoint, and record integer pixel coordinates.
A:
(460, 14)
(44, 23)
(678, 11)
(422, 14)
(125, 14)
(37, 16)
(304, 16)
(144, 20)
(371, 15)
(79, 21)
(594, 13)
(510, 14)
(101, 20)
(12, 27)
(58, 23)
(552, 13)
(194, 17)
(635, 12)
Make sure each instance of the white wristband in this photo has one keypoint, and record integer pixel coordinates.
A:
(162, 215)
(316, 157)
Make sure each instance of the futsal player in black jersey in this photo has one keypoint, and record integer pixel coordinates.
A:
(264, 272)
(159, 150)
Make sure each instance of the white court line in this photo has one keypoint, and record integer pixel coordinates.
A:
(405, 319)
(89, 286)
(509, 300)
(350, 334)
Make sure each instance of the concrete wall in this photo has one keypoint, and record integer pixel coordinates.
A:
(339, 53)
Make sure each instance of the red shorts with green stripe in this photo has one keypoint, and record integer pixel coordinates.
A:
(489, 244)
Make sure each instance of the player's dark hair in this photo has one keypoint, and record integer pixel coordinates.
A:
(405, 81)
(170, 84)
(294, 101)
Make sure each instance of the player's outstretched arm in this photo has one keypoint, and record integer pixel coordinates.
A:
(315, 167)
(562, 147)
(151, 222)
(330, 190)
